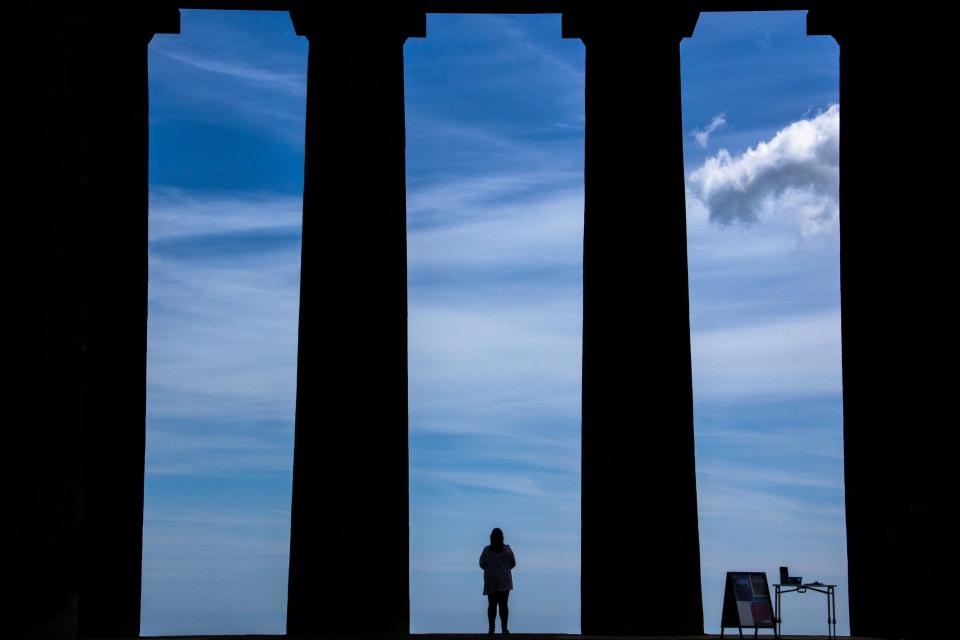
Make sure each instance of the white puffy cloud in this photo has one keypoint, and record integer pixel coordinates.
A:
(793, 178)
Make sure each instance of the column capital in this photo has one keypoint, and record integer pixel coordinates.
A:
(144, 19)
(664, 21)
(827, 20)
(848, 23)
(402, 18)
(162, 16)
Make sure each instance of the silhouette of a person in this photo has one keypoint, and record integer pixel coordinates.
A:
(497, 560)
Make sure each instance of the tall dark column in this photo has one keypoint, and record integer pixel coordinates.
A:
(896, 248)
(640, 544)
(115, 312)
(46, 183)
(349, 532)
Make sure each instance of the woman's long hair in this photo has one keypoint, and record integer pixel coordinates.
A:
(496, 541)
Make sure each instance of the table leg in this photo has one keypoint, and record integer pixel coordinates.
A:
(833, 598)
(777, 610)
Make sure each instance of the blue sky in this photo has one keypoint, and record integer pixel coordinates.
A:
(494, 163)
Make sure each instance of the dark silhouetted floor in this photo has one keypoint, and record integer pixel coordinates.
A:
(484, 636)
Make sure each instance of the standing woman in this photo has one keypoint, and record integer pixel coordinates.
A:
(497, 560)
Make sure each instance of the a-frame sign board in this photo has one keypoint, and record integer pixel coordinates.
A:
(746, 603)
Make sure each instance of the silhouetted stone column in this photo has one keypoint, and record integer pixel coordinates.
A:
(640, 545)
(349, 532)
(47, 177)
(115, 312)
(896, 264)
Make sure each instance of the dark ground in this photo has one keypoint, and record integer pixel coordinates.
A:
(515, 636)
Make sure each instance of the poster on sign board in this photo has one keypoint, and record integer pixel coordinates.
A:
(746, 601)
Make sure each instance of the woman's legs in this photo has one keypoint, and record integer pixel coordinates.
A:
(494, 600)
(504, 611)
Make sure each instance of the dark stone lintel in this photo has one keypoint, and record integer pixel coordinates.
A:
(404, 18)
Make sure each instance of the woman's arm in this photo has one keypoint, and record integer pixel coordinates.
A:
(483, 559)
(513, 560)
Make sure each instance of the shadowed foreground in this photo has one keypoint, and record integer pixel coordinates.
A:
(517, 636)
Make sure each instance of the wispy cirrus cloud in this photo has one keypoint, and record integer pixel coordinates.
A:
(241, 71)
(218, 450)
(796, 355)
(702, 136)
(501, 228)
(213, 353)
(180, 213)
(290, 82)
